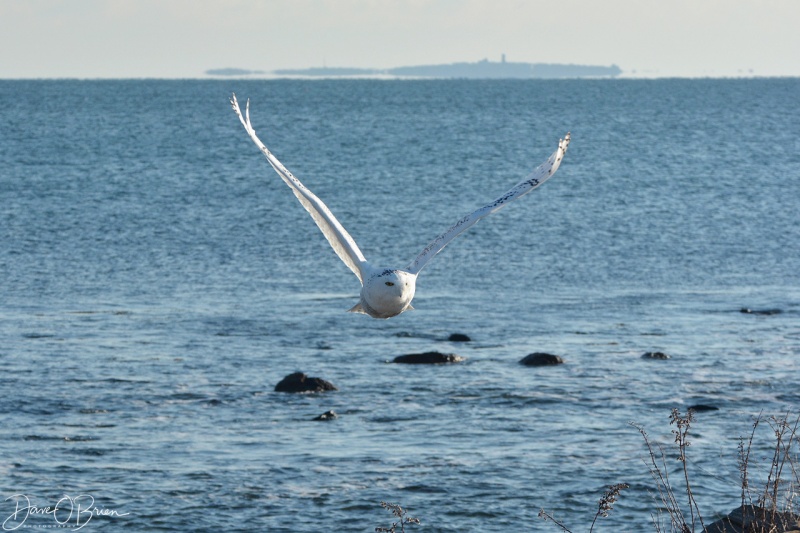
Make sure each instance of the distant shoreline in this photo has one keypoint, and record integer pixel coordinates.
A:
(484, 69)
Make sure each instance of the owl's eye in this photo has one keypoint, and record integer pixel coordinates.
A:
(389, 284)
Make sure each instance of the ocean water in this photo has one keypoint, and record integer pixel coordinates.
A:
(157, 280)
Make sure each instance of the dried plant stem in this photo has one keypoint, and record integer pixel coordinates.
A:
(607, 501)
(775, 508)
(544, 515)
(683, 424)
(744, 461)
(660, 474)
(400, 513)
(785, 435)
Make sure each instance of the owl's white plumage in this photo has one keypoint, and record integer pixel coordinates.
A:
(387, 292)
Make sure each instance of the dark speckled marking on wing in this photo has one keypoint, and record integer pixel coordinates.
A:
(542, 173)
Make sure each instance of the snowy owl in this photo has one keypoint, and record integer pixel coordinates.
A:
(387, 292)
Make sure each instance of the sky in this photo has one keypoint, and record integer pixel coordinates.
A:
(184, 38)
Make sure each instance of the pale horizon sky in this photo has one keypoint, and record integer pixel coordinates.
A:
(184, 38)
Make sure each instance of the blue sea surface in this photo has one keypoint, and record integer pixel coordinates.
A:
(157, 280)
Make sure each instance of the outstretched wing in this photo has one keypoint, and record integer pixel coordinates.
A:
(533, 180)
(341, 241)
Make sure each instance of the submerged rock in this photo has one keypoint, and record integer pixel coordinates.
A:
(458, 337)
(700, 407)
(749, 311)
(428, 358)
(655, 355)
(327, 415)
(414, 335)
(299, 382)
(541, 359)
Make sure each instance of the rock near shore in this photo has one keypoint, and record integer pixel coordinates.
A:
(655, 355)
(541, 359)
(428, 358)
(752, 518)
(299, 382)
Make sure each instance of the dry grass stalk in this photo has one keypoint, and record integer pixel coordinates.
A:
(400, 513)
(604, 506)
(771, 509)
(775, 508)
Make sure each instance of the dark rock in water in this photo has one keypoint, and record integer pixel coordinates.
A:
(299, 382)
(699, 408)
(458, 337)
(428, 358)
(541, 359)
(749, 311)
(327, 415)
(753, 518)
(655, 355)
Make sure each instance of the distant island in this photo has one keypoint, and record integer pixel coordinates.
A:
(233, 72)
(484, 69)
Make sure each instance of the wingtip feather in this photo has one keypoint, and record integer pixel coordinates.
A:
(247, 113)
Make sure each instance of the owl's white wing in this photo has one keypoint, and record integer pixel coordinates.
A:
(542, 173)
(341, 241)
